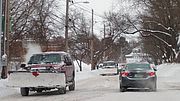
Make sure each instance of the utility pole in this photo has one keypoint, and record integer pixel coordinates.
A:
(66, 26)
(5, 57)
(104, 42)
(92, 43)
(67, 23)
(0, 34)
(104, 31)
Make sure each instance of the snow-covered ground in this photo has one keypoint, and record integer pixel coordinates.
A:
(168, 86)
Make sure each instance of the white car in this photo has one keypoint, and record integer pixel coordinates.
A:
(109, 64)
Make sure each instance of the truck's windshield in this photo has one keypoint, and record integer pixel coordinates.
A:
(45, 59)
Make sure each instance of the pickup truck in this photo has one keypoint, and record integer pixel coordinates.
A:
(44, 71)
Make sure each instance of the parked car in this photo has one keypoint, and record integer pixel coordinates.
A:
(137, 75)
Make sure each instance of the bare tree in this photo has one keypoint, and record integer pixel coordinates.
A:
(161, 23)
(35, 19)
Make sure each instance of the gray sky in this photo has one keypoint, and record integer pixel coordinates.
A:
(99, 7)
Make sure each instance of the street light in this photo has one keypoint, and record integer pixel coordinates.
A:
(67, 21)
(86, 2)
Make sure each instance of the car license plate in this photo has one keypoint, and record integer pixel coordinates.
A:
(138, 75)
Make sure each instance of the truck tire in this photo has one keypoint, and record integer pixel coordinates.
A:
(39, 90)
(24, 91)
(62, 90)
(72, 86)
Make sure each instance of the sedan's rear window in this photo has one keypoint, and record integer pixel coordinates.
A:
(138, 66)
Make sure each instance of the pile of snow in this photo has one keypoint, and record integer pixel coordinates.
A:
(2, 82)
(171, 72)
(167, 70)
(85, 67)
(86, 71)
(5, 91)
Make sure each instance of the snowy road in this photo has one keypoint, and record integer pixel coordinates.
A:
(106, 88)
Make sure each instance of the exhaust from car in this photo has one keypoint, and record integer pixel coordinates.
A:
(32, 48)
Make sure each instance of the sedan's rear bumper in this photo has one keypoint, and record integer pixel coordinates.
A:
(138, 82)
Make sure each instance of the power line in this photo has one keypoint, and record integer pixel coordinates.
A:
(87, 10)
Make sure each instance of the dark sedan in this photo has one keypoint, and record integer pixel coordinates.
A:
(137, 75)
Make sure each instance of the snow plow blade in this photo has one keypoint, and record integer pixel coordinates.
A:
(28, 79)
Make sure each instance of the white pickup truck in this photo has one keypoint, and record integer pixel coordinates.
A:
(44, 71)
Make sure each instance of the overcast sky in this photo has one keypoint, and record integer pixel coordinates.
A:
(99, 7)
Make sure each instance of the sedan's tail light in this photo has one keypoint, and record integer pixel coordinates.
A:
(124, 74)
(151, 74)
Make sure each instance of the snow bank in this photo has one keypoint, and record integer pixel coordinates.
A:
(85, 67)
(4, 90)
(2, 82)
(170, 72)
(86, 71)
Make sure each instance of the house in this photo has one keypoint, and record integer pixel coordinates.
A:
(137, 56)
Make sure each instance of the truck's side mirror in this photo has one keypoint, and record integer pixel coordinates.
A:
(68, 63)
(155, 69)
(23, 65)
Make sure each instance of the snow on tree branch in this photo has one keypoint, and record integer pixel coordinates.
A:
(160, 24)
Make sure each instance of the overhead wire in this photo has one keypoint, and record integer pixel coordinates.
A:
(86, 10)
(89, 11)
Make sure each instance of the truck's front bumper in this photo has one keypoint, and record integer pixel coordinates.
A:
(27, 79)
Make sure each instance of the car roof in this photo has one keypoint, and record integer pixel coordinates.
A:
(138, 63)
(52, 52)
(108, 61)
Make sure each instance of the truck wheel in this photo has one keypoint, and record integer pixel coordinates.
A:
(62, 90)
(24, 91)
(72, 87)
(39, 90)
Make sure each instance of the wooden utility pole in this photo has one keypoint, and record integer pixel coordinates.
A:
(92, 44)
(66, 26)
(5, 57)
(104, 31)
(104, 42)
